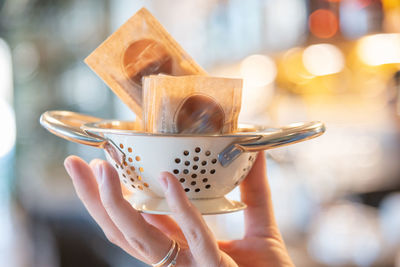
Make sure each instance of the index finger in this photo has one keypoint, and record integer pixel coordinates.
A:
(255, 193)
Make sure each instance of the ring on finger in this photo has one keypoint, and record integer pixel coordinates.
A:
(173, 262)
(166, 258)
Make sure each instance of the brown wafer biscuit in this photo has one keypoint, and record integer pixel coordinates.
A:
(138, 48)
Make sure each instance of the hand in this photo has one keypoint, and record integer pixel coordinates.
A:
(148, 237)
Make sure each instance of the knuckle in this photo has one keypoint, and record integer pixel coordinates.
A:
(137, 245)
(194, 237)
(109, 202)
(111, 237)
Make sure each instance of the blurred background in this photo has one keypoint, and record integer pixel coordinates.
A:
(337, 198)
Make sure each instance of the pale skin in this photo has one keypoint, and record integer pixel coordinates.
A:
(148, 237)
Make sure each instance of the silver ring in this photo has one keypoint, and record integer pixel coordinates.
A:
(173, 262)
(166, 258)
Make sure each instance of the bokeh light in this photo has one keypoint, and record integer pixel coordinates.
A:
(323, 23)
(323, 59)
(258, 70)
(379, 49)
(8, 132)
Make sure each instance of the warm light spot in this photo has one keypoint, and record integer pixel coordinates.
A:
(323, 59)
(137, 158)
(140, 187)
(132, 168)
(258, 70)
(146, 184)
(128, 171)
(380, 49)
(125, 163)
(129, 149)
(139, 178)
(323, 23)
(121, 145)
(141, 169)
(130, 159)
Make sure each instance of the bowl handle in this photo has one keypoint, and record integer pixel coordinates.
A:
(67, 125)
(290, 134)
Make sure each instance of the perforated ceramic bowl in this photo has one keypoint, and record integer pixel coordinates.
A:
(207, 166)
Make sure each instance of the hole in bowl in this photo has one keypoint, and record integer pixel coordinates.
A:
(194, 175)
(205, 180)
(213, 161)
(197, 149)
(204, 163)
(177, 160)
(182, 180)
(185, 152)
(212, 171)
(176, 171)
(187, 163)
(137, 158)
(193, 183)
(187, 189)
(129, 149)
(185, 171)
(208, 153)
(208, 186)
(121, 145)
(197, 190)
(146, 184)
(141, 169)
(203, 171)
(130, 159)
(195, 167)
(196, 158)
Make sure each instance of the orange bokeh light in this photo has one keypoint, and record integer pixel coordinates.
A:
(323, 23)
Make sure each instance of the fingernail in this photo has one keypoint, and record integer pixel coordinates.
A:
(99, 169)
(67, 167)
(164, 182)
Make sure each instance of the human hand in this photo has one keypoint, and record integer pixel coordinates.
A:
(148, 237)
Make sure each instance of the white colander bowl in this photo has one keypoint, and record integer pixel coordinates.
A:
(207, 166)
